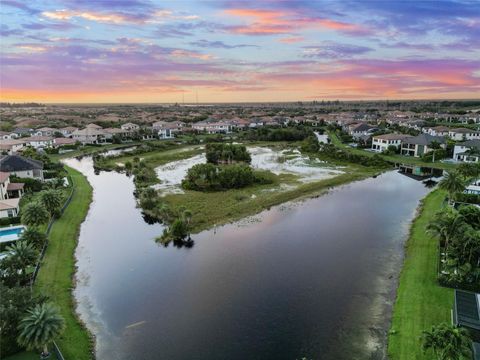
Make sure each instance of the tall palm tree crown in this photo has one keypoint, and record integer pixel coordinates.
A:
(453, 183)
(40, 326)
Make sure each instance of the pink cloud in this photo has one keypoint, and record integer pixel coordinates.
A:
(271, 22)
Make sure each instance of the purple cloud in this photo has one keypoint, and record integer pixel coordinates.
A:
(218, 44)
(20, 5)
(333, 50)
(5, 31)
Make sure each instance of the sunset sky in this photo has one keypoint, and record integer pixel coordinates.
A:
(238, 51)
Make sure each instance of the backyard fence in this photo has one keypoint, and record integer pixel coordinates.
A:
(56, 349)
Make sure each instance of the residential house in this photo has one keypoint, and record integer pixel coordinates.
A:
(220, 127)
(420, 145)
(68, 131)
(130, 127)
(380, 143)
(24, 131)
(175, 126)
(437, 130)
(9, 190)
(8, 135)
(9, 208)
(39, 142)
(473, 188)
(415, 124)
(111, 132)
(10, 147)
(467, 151)
(45, 131)
(22, 167)
(89, 135)
(167, 130)
(94, 126)
(360, 130)
(462, 134)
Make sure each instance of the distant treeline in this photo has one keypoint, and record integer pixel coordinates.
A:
(19, 105)
(278, 134)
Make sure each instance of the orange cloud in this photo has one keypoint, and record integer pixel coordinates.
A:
(291, 40)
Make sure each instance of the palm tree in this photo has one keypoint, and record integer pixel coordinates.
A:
(52, 200)
(22, 254)
(445, 225)
(33, 236)
(453, 183)
(41, 325)
(35, 214)
(447, 342)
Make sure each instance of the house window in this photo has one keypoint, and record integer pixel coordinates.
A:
(10, 213)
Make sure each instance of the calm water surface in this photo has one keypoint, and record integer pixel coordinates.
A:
(314, 279)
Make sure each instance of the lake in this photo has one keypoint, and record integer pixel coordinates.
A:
(313, 279)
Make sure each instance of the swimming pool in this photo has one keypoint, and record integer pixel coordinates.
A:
(11, 233)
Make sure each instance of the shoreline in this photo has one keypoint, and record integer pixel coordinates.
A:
(417, 287)
(57, 275)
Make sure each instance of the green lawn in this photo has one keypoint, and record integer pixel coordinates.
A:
(392, 158)
(420, 302)
(28, 355)
(55, 277)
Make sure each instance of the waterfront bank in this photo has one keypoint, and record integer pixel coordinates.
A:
(421, 302)
(56, 276)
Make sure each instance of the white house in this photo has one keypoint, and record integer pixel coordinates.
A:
(359, 130)
(437, 130)
(45, 131)
(380, 143)
(462, 134)
(130, 127)
(89, 135)
(11, 146)
(473, 188)
(67, 131)
(468, 151)
(39, 142)
(220, 127)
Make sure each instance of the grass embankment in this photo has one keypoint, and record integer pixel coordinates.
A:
(216, 208)
(420, 302)
(392, 158)
(55, 278)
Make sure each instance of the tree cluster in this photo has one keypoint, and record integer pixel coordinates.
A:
(219, 153)
(209, 177)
